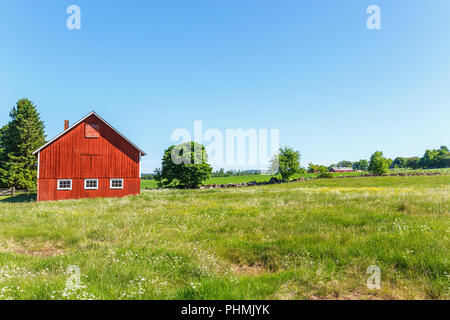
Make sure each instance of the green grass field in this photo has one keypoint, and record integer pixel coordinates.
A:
(151, 184)
(301, 240)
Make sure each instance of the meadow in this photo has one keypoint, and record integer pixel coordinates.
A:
(302, 240)
(151, 184)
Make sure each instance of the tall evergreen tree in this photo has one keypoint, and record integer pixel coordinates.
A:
(18, 139)
(2, 148)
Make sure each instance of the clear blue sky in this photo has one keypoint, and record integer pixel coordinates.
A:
(309, 68)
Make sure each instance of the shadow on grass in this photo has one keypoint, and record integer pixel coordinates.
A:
(20, 198)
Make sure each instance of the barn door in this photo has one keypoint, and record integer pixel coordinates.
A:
(91, 166)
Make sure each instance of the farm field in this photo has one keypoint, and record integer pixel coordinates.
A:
(302, 240)
(151, 184)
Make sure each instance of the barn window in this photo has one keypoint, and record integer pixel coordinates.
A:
(116, 183)
(91, 184)
(64, 184)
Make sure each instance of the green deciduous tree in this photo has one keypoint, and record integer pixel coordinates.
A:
(362, 164)
(378, 165)
(435, 158)
(18, 139)
(286, 163)
(345, 164)
(316, 168)
(399, 162)
(184, 165)
(413, 162)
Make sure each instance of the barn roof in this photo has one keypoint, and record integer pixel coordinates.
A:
(77, 123)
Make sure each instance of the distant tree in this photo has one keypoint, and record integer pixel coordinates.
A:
(378, 165)
(443, 151)
(443, 156)
(362, 165)
(286, 163)
(413, 162)
(18, 139)
(334, 165)
(316, 168)
(399, 162)
(147, 176)
(444, 162)
(435, 158)
(429, 158)
(185, 165)
(229, 173)
(158, 177)
(389, 161)
(345, 163)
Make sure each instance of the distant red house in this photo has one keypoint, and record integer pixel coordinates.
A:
(87, 160)
(341, 169)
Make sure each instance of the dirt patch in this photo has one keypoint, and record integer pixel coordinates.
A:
(43, 249)
(253, 270)
(356, 295)
(362, 294)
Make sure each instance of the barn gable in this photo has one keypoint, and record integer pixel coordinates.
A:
(81, 121)
(87, 160)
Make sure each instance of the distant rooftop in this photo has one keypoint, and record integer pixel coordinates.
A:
(342, 168)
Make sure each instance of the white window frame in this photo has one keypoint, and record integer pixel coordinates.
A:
(90, 188)
(111, 184)
(64, 180)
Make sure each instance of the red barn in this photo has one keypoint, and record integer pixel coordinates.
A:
(87, 160)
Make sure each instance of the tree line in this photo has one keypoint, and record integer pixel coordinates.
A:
(432, 159)
(22, 135)
(180, 170)
(235, 173)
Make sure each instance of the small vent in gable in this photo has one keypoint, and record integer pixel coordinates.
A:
(92, 130)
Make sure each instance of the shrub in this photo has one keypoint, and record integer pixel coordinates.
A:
(325, 175)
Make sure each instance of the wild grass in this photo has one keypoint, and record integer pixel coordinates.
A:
(303, 240)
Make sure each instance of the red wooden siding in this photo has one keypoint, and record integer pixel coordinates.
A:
(89, 150)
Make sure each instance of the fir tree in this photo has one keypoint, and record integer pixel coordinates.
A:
(18, 139)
